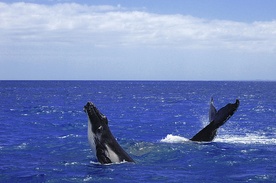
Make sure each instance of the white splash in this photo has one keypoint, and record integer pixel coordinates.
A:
(246, 139)
(231, 139)
(174, 139)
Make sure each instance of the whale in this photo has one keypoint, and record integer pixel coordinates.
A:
(103, 144)
(216, 119)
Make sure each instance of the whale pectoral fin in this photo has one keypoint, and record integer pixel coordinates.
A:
(206, 134)
(101, 155)
(212, 110)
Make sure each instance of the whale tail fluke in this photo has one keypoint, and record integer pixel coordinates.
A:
(218, 119)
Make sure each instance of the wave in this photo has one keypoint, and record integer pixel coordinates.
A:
(234, 139)
(116, 163)
(70, 135)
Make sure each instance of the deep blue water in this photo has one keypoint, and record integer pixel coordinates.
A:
(43, 131)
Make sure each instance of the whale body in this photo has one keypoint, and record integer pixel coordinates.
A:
(103, 143)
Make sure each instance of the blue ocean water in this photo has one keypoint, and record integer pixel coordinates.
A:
(43, 131)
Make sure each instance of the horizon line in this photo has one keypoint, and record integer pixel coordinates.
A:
(141, 80)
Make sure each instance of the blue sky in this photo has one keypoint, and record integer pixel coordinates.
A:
(138, 40)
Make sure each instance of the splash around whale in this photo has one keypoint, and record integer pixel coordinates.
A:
(208, 133)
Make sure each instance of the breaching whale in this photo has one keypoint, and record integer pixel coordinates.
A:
(107, 150)
(103, 144)
(216, 119)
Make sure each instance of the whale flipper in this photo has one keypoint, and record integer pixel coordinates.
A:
(103, 143)
(209, 132)
(212, 110)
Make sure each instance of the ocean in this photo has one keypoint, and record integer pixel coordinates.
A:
(43, 131)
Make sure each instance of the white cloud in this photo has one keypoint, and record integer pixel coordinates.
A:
(109, 26)
(73, 41)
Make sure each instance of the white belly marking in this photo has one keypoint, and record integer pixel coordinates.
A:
(112, 155)
(91, 137)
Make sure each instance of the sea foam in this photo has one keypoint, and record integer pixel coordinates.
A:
(231, 139)
(174, 139)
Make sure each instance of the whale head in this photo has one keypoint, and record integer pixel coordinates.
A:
(97, 125)
(96, 119)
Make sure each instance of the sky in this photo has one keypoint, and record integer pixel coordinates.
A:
(138, 40)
